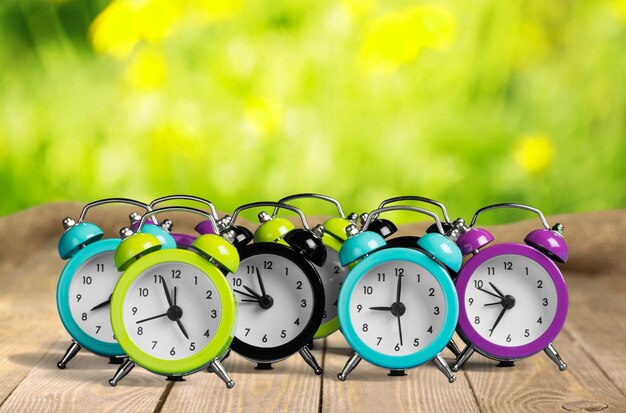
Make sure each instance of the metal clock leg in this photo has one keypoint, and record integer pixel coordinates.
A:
(554, 356)
(443, 367)
(463, 357)
(122, 372)
(353, 361)
(453, 348)
(72, 350)
(310, 360)
(220, 371)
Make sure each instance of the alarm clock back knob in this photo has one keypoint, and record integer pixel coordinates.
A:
(205, 227)
(442, 249)
(473, 239)
(308, 243)
(218, 250)
(549, 242)
(77, 236)
(359, 244)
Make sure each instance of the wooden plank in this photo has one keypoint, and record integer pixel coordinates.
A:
(368, 387)
(83, 386)
(291, 386)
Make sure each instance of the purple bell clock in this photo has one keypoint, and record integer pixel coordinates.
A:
(512, 297)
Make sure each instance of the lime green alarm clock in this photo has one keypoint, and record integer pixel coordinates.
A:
(172, 310)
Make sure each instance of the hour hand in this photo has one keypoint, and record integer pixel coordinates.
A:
(102, 304)
(381, 308)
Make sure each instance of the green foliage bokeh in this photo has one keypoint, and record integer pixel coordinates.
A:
(466, 102)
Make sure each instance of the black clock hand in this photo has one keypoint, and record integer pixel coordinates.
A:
(399, 329)
(249, 301)
(251, 291)
(246, 294)
(498, 303)
(496, 290)
(488, 292)
(182, 328)
(102, 304)
(497, 321)
(258, 275)
(167, 292)
(398, 288)
(381, 308)
(171, 304)
(152, 318)
(174, 295)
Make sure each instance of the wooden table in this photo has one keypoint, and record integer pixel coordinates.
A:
(32, 340)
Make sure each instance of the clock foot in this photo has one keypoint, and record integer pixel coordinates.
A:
(310, 360)
(554, 356)
(122, 372)
(506, 363)
(453, 348)
(116, 360)
(466, 353)
(175, 378)
(220, 371)
(353, 361)
(443, 367)
(264, 366)
(396, 373)
(72, 350)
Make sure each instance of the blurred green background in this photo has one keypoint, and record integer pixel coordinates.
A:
(470, 102)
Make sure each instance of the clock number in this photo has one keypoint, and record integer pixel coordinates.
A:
(478, 283)
(99, 267)
(139, 331)
(134, 310)
(526, 269)
(143, 292)
(213, 313)
(470, 301)
(416, 342)
(264, 339)
(399, 272)
(87, 280)
(379, 340)
(297, 322)
(397, 347)
(209, 295)
(491, 271)
(84, 317)
(154, 343)
(431, 292)
(283, 334)
(430, 330)
(436, 311)
(157, 279)
(237, 282)
(359, 308)
(381, 277)
(545, 302)
(526, 333)
(173, 351)
(365, 327)
(508, 265)
(419, 278)
(298, 285)
(303, 303)
(539, 321)
(368, 290)
(175, 273)
(336, 269)
(267, 265)
(192, 346)
(539, 284)
(250, 269)
(247, 332)
(195, 280)
(78, 297)
(98, 329)
(508, 338)
(206, 333)
(476, 320)
(286, 271)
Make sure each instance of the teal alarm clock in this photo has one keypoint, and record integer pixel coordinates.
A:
(398, 307)
(86, 283)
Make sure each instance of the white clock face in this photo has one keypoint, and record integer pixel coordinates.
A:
(150, 321)
(332, 275)
(374, 297)
(89, 293)
(292, 303)
(521, 279)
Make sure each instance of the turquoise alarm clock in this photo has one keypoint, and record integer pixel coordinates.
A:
(86, 283)
(398, 307)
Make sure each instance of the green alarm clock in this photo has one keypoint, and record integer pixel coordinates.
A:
(172, 310)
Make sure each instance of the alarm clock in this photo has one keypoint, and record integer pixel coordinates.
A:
(279, 292)
(513, 299)
(172, 310)
(184, 241)
(332, 272)
(86, 283)
(398, 307)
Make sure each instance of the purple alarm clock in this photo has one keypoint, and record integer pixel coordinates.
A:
(513, 299)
